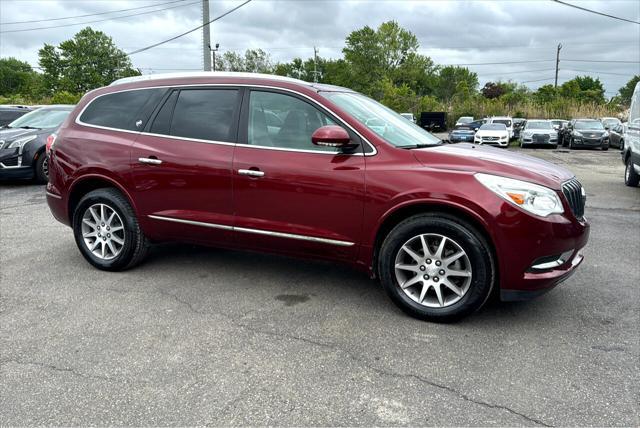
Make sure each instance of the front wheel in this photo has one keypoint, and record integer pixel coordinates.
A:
(41, 172)
(631, 177)
(107, 232)
(436, 267)
(605, 147)
(621, 145)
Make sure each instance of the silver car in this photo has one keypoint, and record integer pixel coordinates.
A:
(538, 132)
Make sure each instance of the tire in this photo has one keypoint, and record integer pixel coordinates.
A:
(128, 240)
(631, 177)
(477, 261)
(621, 145)
(41, 169)
(605, 147)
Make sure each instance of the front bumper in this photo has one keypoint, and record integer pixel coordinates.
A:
(499, 143)
(12, 165)
(461, 138)
(590, 142)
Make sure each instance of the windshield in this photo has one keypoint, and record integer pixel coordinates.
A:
(611, 122)
(505, 121)
(386, 123)
(493, 127)
(592, 124)
(538, 124)
(42, 118)
(465, 119)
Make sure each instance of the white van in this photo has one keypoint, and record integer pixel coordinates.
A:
(506, 120)
(631, 151)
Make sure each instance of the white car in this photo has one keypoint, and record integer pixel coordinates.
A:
(495, 134)
(506, 120)
(464, 120)
(539, 131)
(610, 122)
(631, 151)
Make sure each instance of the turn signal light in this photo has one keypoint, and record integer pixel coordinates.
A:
(518, 198)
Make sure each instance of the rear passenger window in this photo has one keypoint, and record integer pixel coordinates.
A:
(120, 110)
(162, 122)
(203, 114)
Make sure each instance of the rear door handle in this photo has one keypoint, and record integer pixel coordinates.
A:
(150, 161)
(251, 172)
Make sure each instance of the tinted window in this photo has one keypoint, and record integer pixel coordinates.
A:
(120, 110)
(205, 114)
(162, 122)
(298, 120)
(505, 121)
(591, 124)
(493, 127)
(10, 116)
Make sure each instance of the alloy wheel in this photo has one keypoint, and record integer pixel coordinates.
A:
(103, 231)
(433, 270)
(45, 166)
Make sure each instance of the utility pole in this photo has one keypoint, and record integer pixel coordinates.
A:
(557, 63)
(315, 64)
(206, 36)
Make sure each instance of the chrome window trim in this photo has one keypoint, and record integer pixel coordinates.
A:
(230, 85)
(255, 231)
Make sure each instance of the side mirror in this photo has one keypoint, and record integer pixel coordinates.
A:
(331, 136)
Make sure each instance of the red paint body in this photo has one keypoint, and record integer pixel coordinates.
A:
(337, 197)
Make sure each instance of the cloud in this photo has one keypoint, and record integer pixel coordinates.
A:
(449, 32)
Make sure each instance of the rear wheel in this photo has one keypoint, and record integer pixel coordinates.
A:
(436, 268)
(631, 177)
(621, 145)
(107, 232)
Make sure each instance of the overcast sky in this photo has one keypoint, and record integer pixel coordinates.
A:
(450, 32)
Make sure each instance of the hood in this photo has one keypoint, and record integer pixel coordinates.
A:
(591, 132)
(491, 133)
(540, 131)
(491, 160)
(10, 134)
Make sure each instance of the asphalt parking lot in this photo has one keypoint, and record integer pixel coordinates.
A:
(199, 336)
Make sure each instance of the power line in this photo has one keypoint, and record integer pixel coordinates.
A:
(602, 60)
(100, 20)
(597, 72)
(502, 63)
(594, 11)
(190, 31)
(538, 80)
(90, 14)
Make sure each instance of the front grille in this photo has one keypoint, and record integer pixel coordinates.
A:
(573, 191)
(541, 138)
(490, 138)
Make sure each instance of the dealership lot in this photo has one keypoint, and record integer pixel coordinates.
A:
(206, 336)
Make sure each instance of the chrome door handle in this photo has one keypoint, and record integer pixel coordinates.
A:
(150, 161)
(251, 172)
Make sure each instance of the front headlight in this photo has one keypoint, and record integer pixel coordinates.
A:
(606, 134)
(577, 134)
(527, 134)
(20, 142)
(538, 200)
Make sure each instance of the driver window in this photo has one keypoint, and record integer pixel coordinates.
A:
(284, 121)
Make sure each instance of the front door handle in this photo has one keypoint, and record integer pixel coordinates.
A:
(150, 161)
(251, 172)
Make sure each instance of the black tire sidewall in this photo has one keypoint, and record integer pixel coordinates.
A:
(124, 210)
(472, 243)
(39, 174)
(634, 177)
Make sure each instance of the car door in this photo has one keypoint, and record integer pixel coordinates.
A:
(289, 195)
(182, 165)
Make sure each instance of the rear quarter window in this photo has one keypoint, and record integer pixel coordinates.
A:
(121, 110)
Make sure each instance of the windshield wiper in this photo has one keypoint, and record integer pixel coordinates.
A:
(29, 127)
(420, 146)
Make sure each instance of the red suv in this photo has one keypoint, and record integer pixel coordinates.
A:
(275, 164)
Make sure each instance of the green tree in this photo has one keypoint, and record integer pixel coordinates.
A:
(545, 94)
(453, 80)
(87, 61)
(373, 55)
(253, 61)
(626, 92)
(584, 89)
(17, 77)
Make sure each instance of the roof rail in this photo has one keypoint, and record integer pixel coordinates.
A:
(163, 76)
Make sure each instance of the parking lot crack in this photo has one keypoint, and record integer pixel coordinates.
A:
(460, 394)
(55, 368)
